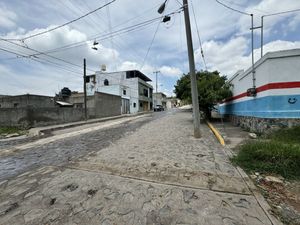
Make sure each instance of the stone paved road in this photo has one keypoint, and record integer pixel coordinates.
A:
(156, 174)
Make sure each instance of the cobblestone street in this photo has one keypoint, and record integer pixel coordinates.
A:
(145, 170)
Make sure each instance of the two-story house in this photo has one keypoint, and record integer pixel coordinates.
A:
(160, 98)
(132, 86)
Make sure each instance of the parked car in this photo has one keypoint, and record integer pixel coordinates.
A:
(158, 108)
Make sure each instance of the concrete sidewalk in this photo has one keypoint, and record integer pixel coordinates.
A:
(233, 135)
(158, 174)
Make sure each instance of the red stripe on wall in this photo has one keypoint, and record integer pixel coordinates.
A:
(270, 86)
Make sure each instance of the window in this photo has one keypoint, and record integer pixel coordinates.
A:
(16, 105)
(145, 92)
(106, 83)
(141, 104)
(134, 105)
(124, 92)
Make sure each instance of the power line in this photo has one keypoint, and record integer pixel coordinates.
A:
(107, 35)
(200, 42)
(148, 50)
(236, 10)
(57, 27)
(41, 53)
(279, 13)
(37, 60)
(103, 37)
(63, 68)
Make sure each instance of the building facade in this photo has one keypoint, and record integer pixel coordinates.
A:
(160, 98)
(133, 87)
(269, 98)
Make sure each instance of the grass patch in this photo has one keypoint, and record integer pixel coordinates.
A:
(279, 154)
(287, 135)
(10, 130)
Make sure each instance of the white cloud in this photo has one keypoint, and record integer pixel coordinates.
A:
(7, 18)
(64, 37)
(225, 57)
(232, 56)
(266, 7)
(170, 71)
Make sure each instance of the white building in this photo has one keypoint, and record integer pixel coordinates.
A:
(132, 86)
(160, 98)
(275, 86)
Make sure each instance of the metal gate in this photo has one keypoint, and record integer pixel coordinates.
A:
(125, 106)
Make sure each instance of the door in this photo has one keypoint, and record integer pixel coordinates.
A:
(125, 106)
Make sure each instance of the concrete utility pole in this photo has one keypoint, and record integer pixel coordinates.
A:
(156, 72)
(195, 100)
(84, 88)
(252, 54)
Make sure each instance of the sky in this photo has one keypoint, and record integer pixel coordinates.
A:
(46, 63)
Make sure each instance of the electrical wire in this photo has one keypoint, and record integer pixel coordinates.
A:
(62, 25)
(199, 38)
(37, 60)
(279, 13)
(148, 50)
(106, 36)
(41, 53)
(233, 9)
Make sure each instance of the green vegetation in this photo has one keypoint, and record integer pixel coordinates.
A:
(280, 154)
(212, 88)
(10, 130)
(287, 135)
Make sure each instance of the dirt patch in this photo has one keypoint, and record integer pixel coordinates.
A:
(284, 197)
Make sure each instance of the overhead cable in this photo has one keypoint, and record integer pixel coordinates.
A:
(37, 60)
(99, 37)
(62, 25)
(236, 10)
(200, 42)
(42, 53)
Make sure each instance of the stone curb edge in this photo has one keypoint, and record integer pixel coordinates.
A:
(216, 133)
(80, 123)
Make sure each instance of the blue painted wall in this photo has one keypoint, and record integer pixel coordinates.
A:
(284, 106)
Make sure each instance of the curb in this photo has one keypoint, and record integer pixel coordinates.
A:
(37, 132)
(216, 133)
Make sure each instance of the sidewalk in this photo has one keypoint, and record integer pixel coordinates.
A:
(158, 174)
(233, 135)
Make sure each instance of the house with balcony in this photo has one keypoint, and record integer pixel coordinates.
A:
(132, 86)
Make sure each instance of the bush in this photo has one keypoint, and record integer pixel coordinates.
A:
(289, 135)
(274, 156)
(10, 130)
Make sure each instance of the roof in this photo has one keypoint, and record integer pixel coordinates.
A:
(139, 74)
(133, 74)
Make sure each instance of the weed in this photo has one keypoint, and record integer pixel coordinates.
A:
(272, 156)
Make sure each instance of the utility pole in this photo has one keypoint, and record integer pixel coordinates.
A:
(156, 72)
(262, 37)
(195, 100)
(84, 88)
(252, 47)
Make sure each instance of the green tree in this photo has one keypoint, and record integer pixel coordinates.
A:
(212, 88)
